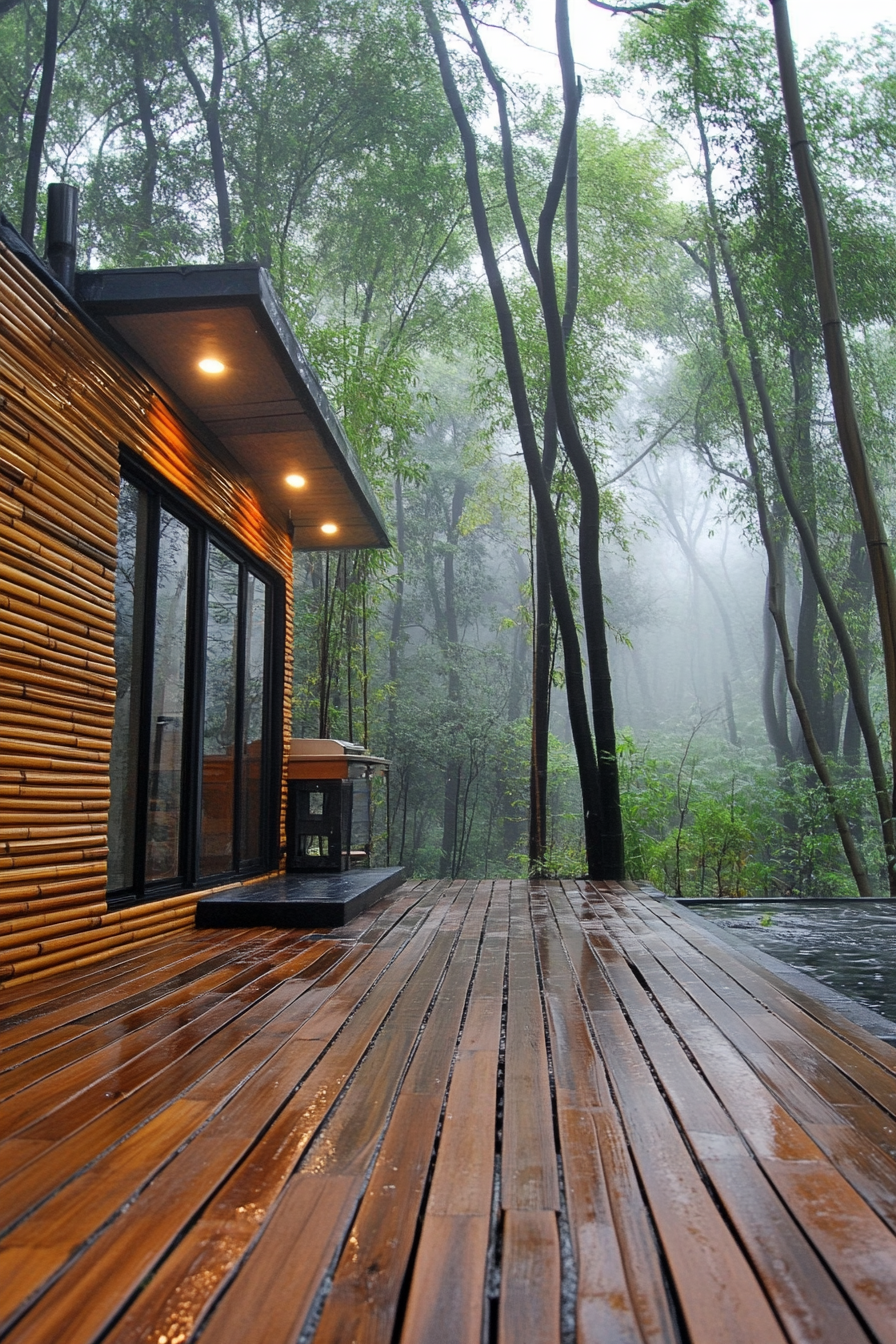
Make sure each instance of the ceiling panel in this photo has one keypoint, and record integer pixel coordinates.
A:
(265, 407)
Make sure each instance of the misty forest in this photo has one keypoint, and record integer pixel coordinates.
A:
(624, 384)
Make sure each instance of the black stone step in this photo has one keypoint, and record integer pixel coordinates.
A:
(298, 900)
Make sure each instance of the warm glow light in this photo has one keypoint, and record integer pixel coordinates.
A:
(295, 481)
(211, 366)
(329, 528)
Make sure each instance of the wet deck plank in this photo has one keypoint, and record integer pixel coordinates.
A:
(508, 1111)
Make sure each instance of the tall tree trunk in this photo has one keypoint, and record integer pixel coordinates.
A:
(448, 858)
(612, 856)
(837, 361)
(41, 121)
(861, 596)
(150, 172)
(589, 777)
(542, 657)
(397, 609)
(852, 666)
(807, 668)
(612, 840)
(776, 603)
(542, 634)
(775, 724)
(506, 775)
(209, 106)
(730, 720)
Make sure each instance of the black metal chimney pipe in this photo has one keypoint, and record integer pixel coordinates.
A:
(62, 231)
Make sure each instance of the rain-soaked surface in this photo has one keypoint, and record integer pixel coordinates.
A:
(848, 945)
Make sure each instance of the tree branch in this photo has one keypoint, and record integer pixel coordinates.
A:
(643, 11)
(654, 443)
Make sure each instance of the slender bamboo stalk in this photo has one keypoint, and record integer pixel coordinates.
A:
(51, 919)
(94, 958)
(67, 958)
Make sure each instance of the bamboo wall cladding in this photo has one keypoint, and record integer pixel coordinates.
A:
(66, 404)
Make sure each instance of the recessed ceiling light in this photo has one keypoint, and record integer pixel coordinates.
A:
(295, 480)
(329, 528)
(211, 366)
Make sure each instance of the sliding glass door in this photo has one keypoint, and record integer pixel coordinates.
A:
(193, 764)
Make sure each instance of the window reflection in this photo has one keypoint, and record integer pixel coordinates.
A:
(189, 798)
(129, 603)
(167, 711)
(253, 720)
(219, 719)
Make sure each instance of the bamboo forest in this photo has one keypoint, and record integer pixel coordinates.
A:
(615, 346)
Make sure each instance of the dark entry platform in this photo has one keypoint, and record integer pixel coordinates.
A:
(298, 900)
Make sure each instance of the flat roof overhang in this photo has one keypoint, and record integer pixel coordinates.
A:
(266, 409)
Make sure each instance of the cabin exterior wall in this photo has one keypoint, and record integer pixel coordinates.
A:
(67, 406)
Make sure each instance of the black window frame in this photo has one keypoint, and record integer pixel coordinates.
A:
(203, 531)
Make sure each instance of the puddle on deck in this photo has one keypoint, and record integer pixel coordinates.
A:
(847, 945)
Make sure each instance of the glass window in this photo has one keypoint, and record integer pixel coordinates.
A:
(219, 719)
(163, 850)
(191, 797)
(251, 777)
(130, 580)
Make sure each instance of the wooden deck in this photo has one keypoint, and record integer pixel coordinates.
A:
(481, 1111)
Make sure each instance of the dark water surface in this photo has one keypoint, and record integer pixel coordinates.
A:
(849, 945)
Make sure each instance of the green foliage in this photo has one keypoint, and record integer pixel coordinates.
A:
(715, 823)
(345, 179)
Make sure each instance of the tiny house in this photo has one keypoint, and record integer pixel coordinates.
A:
(164, 448)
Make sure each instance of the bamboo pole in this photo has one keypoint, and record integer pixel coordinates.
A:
(16, 854)
(80, 962)
(88, 856)
(70, 747)
(91, 653)
(42, 830)
(96, 734)
(70, 871)
(86, 732)
(65, 631)
(92, 795)
(49, 764)
(42, 778)
(41, 822)
(43, 545)
(65, 959)
(35, 838)
(74, 688)
(54, 712)
(126, 923)
(43, 898)
(49, 518)
(72, 680)
(49, 919)
(23, 945)
(46, 440)
(44, 591)
(46, 809)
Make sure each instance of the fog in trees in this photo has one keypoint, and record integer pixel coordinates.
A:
(543, 328)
